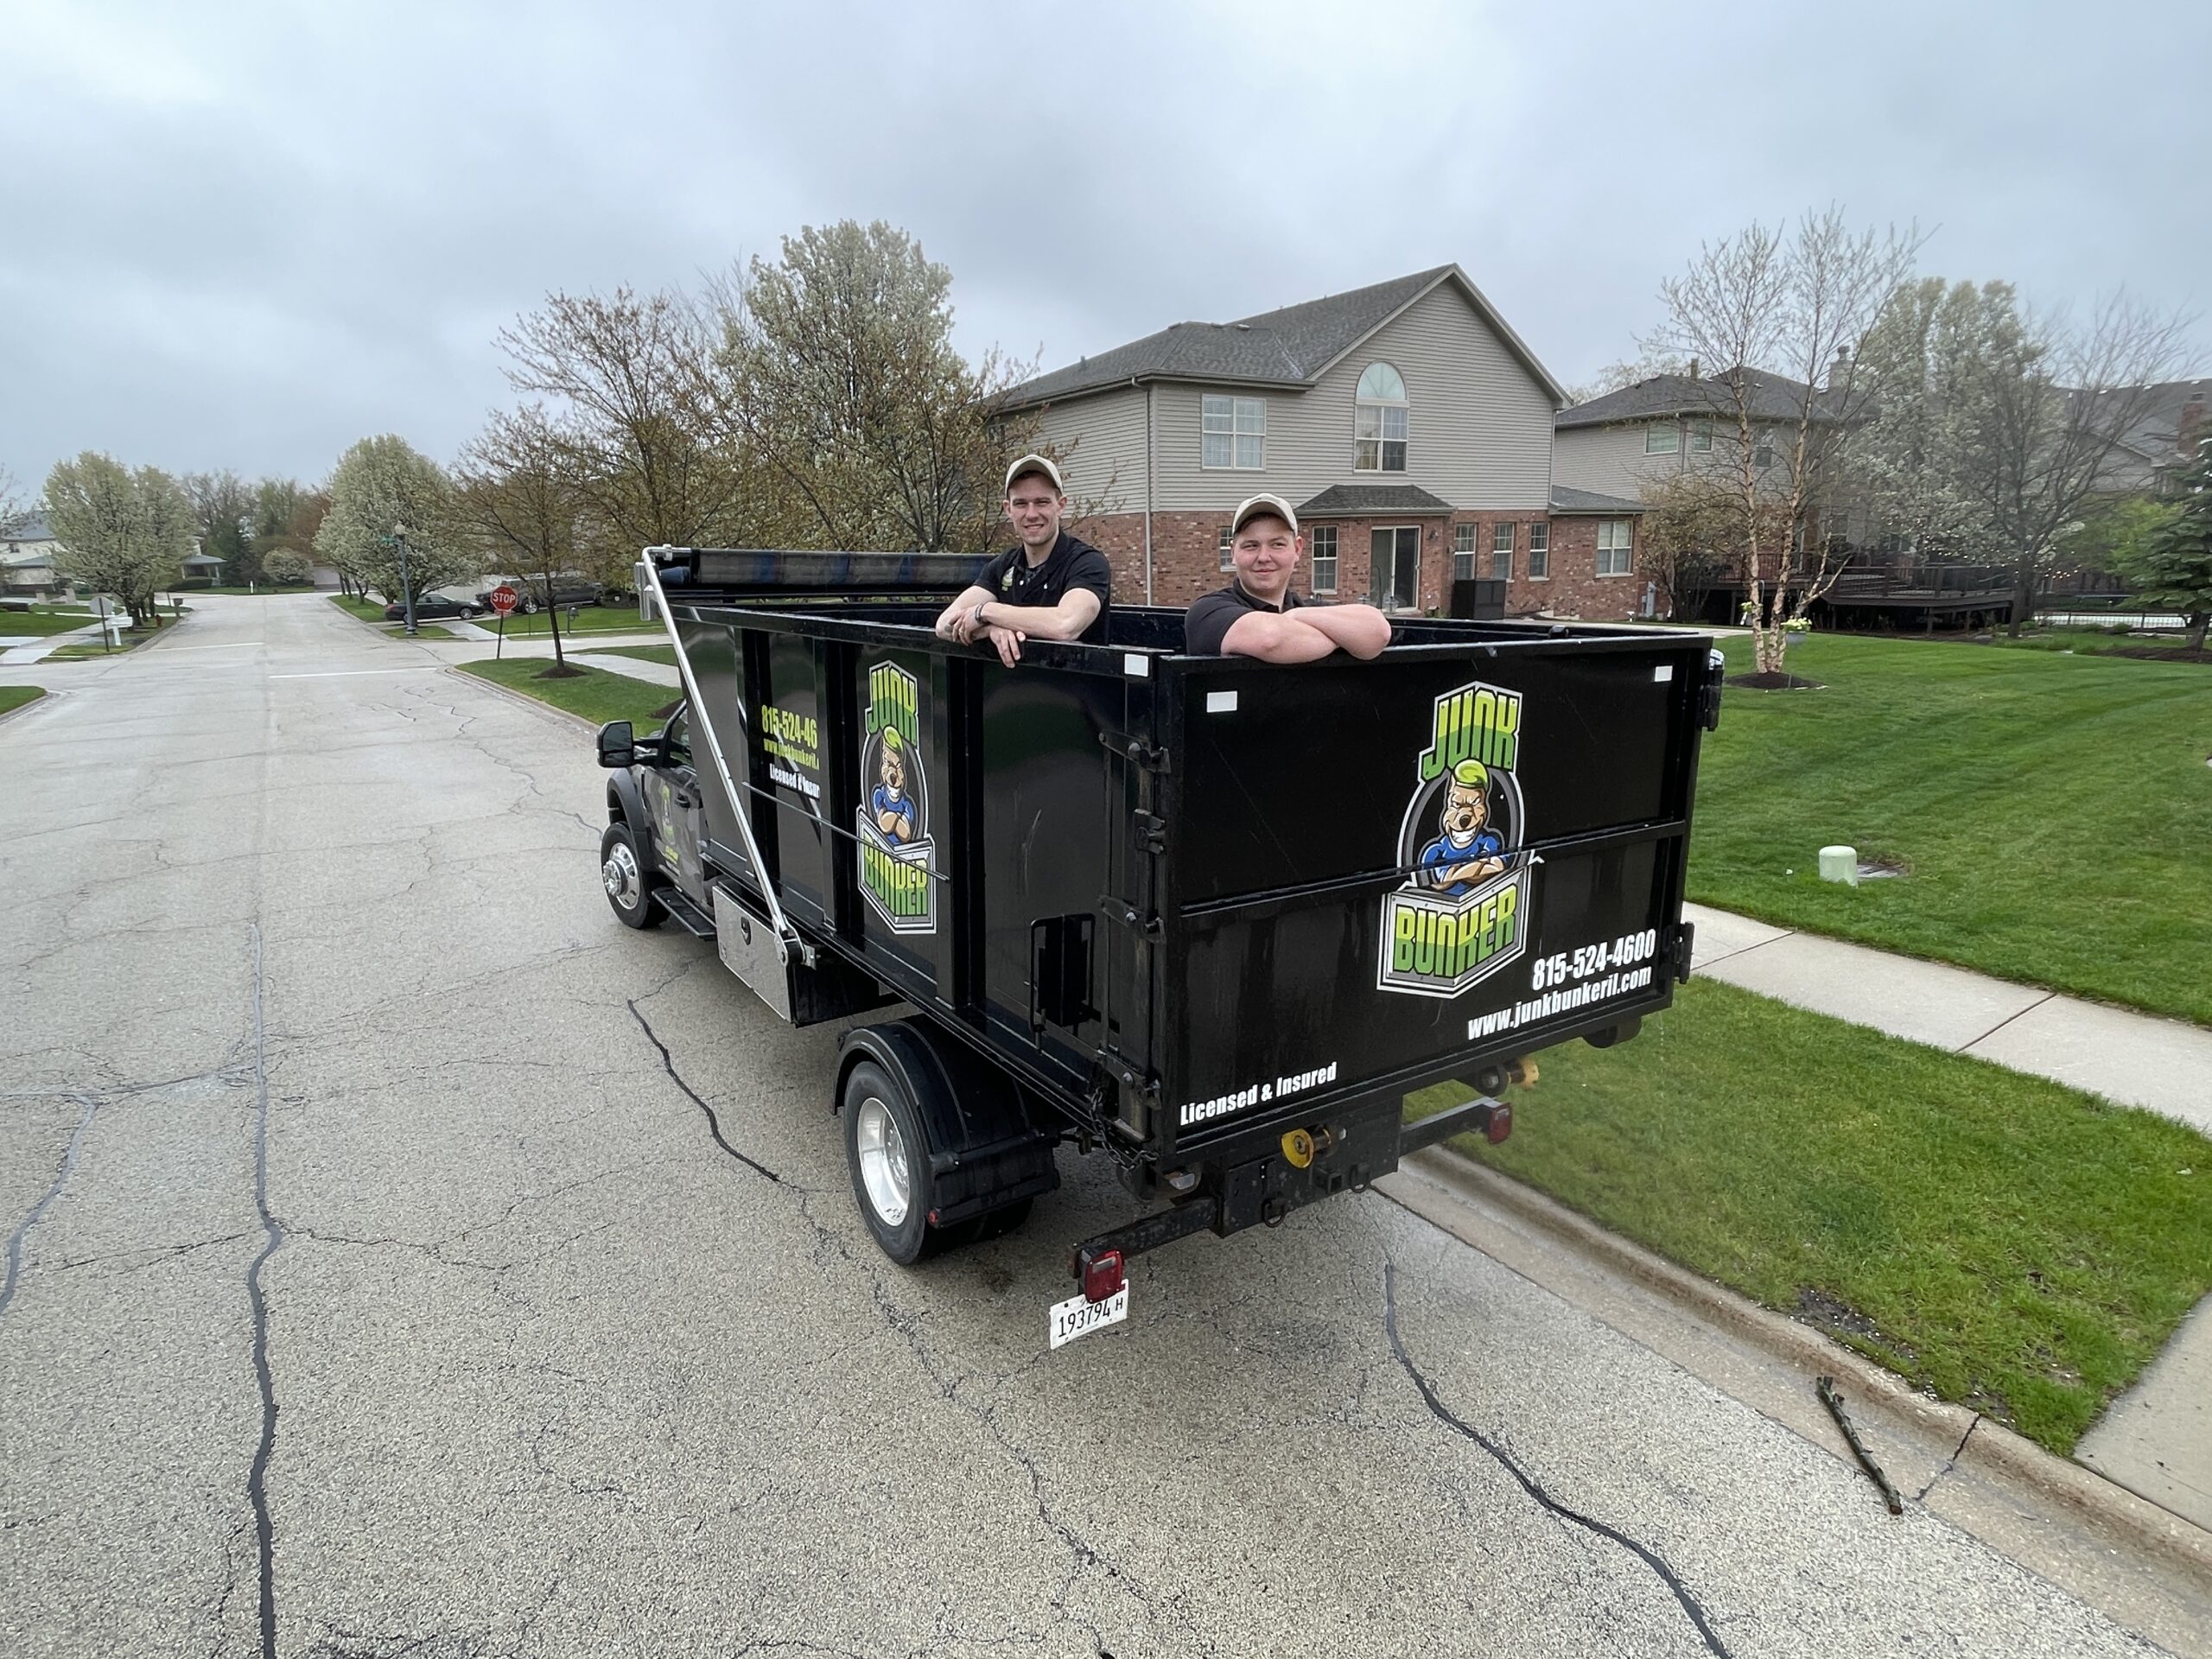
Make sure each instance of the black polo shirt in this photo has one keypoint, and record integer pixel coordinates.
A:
(1208, 621)
(1071, 564)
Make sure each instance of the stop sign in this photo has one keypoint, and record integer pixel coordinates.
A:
(504, 599)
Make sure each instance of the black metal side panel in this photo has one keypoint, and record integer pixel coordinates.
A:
(1377, 867)
(1049, 815)
(713, 648)
(796, 737)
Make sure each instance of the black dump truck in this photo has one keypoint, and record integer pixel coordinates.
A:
(1208, 916)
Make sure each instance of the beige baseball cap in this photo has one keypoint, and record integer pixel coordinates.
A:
(1273, 505)
(1034, 463)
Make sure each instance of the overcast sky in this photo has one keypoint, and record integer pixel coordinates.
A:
(245, 235)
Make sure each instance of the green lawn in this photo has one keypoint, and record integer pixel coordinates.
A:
(664, 655)
(594, 694)
(42, 619)
(368, 610)
(2053, 813)
(13, 697)
(2098, 642)
(2012, 1245)
(590, 618)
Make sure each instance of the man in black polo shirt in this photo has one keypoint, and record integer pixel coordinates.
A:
(1257, 615)
(1051, 587)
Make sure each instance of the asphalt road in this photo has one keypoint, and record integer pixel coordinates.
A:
(374, 1288)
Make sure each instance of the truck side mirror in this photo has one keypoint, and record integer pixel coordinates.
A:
(617, 747)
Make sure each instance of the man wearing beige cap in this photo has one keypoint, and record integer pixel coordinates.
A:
(1257, 615)
(1051, 587)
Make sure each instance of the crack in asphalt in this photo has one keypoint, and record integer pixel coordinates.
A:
(714, 1123)
(1957, 1452)
(256, 1480)
(61, 1179)
(1443, 1414)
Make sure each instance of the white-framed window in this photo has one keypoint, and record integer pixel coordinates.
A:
(1540, 550)
(1501, 550)
(1616, 546)
(1661, 438)
(1463, 552)
(1701, 436)
(1323, 546)
(1378, 433)
(1762, 455)
(1235, 435)
(1227, 562)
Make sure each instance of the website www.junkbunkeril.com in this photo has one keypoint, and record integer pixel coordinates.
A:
(1542, 1007)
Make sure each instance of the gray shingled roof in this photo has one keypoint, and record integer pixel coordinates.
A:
(1285, 347)
(31, 528)
(1773, 397)
(1358, 500)
(1573, 501)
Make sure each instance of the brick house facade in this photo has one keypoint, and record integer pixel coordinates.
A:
(1406, 415)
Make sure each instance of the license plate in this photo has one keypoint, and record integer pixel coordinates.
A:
(1077, 1318)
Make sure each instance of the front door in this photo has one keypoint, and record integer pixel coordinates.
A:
(1394, 583)
(671, 789)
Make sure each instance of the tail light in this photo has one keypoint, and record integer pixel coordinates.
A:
(1102, 1275)
(1500, 1124)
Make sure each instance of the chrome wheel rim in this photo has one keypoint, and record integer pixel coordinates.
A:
(620, 872)
(883, 1162)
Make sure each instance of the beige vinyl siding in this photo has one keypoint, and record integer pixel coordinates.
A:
(1611, 460)
(1100, 439)
(1479, 425)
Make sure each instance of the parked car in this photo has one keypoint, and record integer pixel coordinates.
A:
(433, 608)
(567, 590)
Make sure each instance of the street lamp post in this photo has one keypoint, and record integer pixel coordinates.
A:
(406, 586)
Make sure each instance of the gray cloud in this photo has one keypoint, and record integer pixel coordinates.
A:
(245, 235)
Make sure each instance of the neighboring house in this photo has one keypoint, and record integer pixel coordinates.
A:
(1408, 425)
(30, 560)
(1674, 424)
(202, 567)
(2163, 437)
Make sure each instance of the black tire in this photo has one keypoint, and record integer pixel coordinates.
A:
(629, 895)
(875, 1100)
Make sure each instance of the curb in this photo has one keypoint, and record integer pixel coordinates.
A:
(1992, 1448)
(45, 699)
(522, 697)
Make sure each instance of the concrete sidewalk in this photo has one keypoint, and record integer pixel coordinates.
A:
(2153, 1440)
(2162, 1065)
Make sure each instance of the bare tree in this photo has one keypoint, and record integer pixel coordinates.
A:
(2042, 406)
(515, 497)
(623, 371)
(13, 508)
(1780, 312)
(838, 376)
(223, 511)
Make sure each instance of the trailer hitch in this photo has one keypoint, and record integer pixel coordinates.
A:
(1146, 1233)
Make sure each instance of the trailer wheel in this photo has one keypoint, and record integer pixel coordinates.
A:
(889, 1156)
(623, 875)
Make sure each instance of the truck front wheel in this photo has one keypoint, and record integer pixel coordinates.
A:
(623, 875)
(889, 1156)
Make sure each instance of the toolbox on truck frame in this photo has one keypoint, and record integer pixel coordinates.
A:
(1212, 915)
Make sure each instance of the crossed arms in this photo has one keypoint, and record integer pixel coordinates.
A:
(976, 615)
(1308, 633)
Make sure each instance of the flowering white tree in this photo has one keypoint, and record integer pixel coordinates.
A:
(382, 484)
(122, 532)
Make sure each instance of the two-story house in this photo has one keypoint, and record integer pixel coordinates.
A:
(1406, 421)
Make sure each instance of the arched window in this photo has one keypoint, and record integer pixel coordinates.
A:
(1379, 424)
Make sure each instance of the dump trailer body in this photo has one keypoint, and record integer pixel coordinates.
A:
(1193, 905)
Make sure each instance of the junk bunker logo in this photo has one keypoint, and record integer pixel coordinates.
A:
(895, 812)
(1463, 912)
